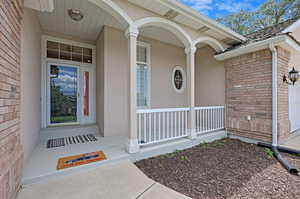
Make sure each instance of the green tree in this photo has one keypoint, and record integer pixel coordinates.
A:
(269, 13)
(240, 22)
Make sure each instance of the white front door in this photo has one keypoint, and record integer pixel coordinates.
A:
(294, 107)
(63, 94)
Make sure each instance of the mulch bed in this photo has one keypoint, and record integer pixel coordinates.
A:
(224, 169)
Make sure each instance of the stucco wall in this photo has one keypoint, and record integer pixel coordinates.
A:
(295, 57)
(163, 58)
(30, 81)
(100, 83)
(116, 84)
(209, 77)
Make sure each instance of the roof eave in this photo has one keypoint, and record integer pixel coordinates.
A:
(292, 27)
(203, 19)
(283, 40)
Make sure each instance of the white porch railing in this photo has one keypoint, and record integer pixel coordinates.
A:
(159, 125)
(208, 119)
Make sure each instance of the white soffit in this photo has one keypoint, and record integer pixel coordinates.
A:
(40, 5)
(160, 35)
(88, 29)
(151, 5)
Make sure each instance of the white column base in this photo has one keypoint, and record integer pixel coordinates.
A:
(132, 146)
(192, 134)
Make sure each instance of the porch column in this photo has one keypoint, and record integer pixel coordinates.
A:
(132, 143)
(190, 57)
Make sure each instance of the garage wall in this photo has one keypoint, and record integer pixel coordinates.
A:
(295, 58)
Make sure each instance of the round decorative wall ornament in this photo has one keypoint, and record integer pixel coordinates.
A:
(178, 79)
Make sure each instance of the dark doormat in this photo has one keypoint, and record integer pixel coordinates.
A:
(79, 139)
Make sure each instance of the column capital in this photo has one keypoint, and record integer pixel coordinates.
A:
(191, 49)
(132, 31)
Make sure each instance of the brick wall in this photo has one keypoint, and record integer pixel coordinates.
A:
(249, 93)
(283, 95)
(11, 152)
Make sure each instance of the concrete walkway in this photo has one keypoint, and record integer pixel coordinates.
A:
(121, 180)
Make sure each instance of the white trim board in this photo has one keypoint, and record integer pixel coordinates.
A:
(283, 41)
(148, 63)
(292, 27)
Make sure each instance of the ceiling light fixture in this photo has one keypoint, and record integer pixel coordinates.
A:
(76, 15)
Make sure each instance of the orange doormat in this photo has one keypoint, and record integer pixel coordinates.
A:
(77, 160)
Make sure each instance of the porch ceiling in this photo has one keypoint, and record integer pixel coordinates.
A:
(94, 19)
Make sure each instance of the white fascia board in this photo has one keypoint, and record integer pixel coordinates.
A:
(283, 39)
(40, 5)
(183, 9)
(47, 5)
(292, 27)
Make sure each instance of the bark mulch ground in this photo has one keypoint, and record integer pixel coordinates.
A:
(224, 169)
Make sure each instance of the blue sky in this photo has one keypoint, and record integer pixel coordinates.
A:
(219, 8)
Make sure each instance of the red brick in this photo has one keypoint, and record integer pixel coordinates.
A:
(11, 152)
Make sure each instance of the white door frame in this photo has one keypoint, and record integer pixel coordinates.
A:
(81, 67)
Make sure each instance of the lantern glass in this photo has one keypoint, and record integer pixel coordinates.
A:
(293, 75)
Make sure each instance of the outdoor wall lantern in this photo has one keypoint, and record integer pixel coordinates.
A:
(292, 78)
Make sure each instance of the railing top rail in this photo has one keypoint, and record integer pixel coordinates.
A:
(162, 110)
(208, 107)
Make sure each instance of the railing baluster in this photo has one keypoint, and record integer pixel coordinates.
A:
(159, 127)
(139, 128)
(145, 128)
(168, 126)
(156, 125)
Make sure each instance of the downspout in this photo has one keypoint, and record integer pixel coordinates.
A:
(274, 96)
(275, 148)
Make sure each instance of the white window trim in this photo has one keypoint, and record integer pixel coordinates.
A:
(148, 63)
(183, 78)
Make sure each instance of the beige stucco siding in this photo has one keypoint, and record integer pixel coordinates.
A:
(295, 58)
(30, 81)
(116, 83)
(210, 78)
(164, 58)
(100, 83)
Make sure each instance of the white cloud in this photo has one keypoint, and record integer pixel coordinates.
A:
(200, 5)
(231, 6)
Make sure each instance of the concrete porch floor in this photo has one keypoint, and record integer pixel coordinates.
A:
(43, 162)
(110, 181)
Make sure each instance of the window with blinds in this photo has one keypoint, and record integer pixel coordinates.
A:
(142, 74)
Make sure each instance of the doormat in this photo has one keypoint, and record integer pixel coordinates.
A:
(79, 139)
(77, 160)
